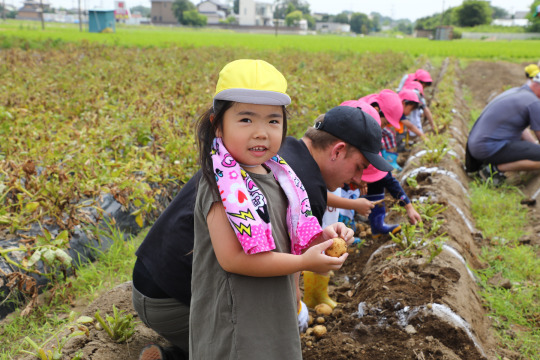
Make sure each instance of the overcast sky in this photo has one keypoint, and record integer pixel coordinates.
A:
(397, 9)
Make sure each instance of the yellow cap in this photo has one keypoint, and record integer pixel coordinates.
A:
(252, 82)
(531, 70)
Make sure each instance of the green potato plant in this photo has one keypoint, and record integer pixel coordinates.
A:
(120, 327)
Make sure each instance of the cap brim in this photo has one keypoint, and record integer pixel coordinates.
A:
(378, 161)
(371, 174)
(394, 123)
(250, 96)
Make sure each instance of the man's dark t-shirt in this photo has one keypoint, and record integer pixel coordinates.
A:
(164, 259)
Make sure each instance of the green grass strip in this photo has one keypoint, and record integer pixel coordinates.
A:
(515, 311)
(111, 268)
(28, 34)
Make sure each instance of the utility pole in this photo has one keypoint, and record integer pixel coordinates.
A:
(42, 20)
(442, 13)
(4, 10)
(80, 19)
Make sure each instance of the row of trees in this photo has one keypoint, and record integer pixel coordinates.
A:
(292, 11)
(7, 14)
(473, 13)
(187, 13)
(534, 17)
(470, 13)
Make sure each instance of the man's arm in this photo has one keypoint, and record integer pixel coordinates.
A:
(361, 205)
(409, 125)
(527, 136)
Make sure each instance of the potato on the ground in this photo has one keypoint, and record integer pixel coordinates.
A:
(323, 309)
(319, 331)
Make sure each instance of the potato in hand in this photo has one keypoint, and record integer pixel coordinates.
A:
(338, 248)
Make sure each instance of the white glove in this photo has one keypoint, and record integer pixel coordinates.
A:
(303, 317)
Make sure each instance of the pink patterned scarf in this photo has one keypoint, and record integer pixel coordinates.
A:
(246, 207)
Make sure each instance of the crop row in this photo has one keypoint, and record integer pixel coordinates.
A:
(80, 121)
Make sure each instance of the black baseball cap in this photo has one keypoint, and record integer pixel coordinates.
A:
(358, 129)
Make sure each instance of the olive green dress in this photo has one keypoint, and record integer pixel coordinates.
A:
(241, 317)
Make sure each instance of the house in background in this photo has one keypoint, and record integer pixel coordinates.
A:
(252, 12)
(255, 13)
(162, 13)
(214, 11)
(31, 10)
(518, 19)
(332, 28)
(320, 16)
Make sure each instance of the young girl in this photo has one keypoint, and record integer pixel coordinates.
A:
(253, 224)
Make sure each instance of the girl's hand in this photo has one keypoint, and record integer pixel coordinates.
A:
(338, 230)
(316, 260)
(414, 216)
(363, 188)
(363, 206)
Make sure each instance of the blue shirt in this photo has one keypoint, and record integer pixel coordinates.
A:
(503, 120)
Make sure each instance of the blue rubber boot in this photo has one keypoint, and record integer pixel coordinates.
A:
(376, 218)
(391, 157)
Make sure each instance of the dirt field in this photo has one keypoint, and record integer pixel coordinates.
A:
(397, 308)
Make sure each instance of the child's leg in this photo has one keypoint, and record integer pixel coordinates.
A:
(378, 213)
(160, 313)
(316, 290)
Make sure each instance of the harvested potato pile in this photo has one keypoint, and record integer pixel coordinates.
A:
(338, 248)
(323, 309)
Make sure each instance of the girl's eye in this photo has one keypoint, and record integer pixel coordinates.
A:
(274, 121)
(245, 120)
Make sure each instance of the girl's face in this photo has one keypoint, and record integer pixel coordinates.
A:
(407, 109)
(252, 134)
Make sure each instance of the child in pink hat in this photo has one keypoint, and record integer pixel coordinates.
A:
(419, 75)
(419, 87)
(423, 110)
(377, 181)
(411, 103)
(390, 108)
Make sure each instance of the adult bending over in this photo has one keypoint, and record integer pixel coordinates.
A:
(500, 140)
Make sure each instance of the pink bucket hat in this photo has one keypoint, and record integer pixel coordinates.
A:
(364, 106)
(391, 106)
(370, 174)
(414, 85)
(370, 99)
(408, 95)
(423, 75)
